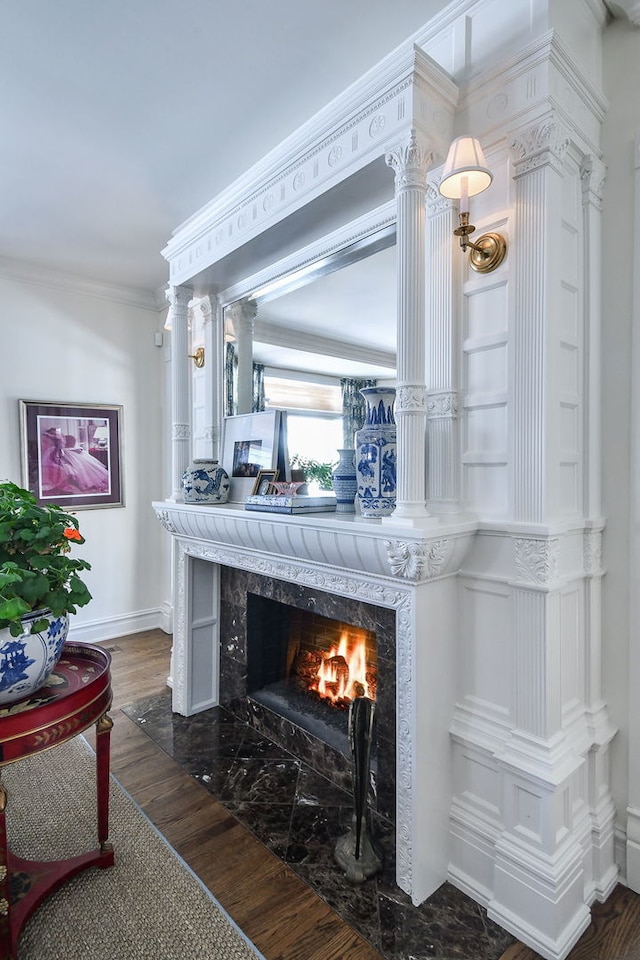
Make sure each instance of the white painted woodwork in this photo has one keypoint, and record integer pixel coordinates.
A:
(493, 558)
(179, 298)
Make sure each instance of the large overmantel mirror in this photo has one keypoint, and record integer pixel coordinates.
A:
(301, 330)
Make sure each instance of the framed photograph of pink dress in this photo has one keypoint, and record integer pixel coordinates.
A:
(72, 453)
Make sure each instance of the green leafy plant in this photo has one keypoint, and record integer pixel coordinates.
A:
(37, 571)
(314, 470)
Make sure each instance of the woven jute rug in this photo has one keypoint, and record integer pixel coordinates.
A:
(148, 906)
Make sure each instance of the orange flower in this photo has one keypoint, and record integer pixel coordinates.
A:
(72, 534)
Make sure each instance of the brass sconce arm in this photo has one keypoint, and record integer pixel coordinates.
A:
(197, 357)
(487, 253)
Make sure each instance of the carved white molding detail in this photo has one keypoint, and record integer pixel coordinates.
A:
(244, 311)
(288, 176)
(410, 397)
(417, 561)
(410, 162)
(592, 553)
(593, 174)
(165, 520)
(205, 307)
(538, 145)
(537, 561)
(436, 203)
(178, 297)
(377, 125)
(181, 431)
(442, 405)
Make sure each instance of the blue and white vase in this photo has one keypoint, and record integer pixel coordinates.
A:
(27, 660)
(376, 454)
(345, 481)
(205, 481)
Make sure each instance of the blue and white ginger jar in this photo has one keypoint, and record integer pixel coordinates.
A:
(205, 481)
(26, 661)
(376, 454)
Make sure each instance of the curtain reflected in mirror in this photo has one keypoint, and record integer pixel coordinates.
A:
(231, 382)
(354, 408)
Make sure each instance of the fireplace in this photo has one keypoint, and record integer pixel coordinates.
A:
(307, 667)
(275, 639)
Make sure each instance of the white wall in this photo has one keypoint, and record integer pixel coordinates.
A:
(621, 126)
(70, 345)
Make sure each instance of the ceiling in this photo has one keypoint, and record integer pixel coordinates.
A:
(121, 119)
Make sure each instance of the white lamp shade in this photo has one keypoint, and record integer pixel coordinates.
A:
(465, 160)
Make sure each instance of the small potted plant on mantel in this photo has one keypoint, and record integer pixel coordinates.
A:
(39, 587)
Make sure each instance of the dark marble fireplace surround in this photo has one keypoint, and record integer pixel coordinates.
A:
(333, 761)
(244, 755)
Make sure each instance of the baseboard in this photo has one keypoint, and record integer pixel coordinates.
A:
(166, 614)
(547, 947)
(98, 630)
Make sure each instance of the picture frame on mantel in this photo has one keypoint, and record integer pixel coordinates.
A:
(251, 443)
(72, 453)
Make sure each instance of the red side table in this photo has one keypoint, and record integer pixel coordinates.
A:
(79, 696)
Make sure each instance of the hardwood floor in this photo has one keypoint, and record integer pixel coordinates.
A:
(280, 914)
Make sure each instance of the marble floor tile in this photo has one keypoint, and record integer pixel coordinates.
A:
(299, 815)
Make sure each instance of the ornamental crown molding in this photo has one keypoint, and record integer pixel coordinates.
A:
(349, 133)
(542, 77)
(625, 8)
(20, 271)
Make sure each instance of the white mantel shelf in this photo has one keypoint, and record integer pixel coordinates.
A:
(344, 541)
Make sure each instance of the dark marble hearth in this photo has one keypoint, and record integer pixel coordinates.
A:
(299, 815)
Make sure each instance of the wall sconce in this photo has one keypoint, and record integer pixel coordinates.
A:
(197, 357)
(465, 174)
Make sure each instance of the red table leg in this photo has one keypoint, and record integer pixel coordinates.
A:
(103, 756)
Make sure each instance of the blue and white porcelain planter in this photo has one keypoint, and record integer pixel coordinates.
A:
(27, 660)
(376, 454)
(205, 481)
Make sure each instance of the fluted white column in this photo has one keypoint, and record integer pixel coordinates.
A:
(443, 478)
(243, 315)
(593, 174)
(179, 298)
(538, 154)
(410, 162)
(212, 325)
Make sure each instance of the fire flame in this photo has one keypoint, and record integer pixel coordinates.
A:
(342, 673)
